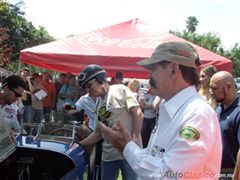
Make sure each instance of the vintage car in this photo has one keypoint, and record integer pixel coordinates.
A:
(52, 153)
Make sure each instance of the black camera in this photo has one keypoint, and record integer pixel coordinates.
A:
(68, 106)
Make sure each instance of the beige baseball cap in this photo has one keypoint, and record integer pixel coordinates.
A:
(181, 52)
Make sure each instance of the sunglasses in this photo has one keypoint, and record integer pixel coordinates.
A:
(17, 95)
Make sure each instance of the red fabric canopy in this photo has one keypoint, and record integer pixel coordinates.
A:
(115, 48)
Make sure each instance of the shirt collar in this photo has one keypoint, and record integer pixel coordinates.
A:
(234, 104)
(175, 103)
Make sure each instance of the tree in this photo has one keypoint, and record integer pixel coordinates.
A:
(192, 23)
(17, 32)
(234, 55)
(210, 41)
(5, 49)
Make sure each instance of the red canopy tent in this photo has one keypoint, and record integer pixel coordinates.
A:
(115, 48)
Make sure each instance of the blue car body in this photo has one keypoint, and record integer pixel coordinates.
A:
(45, 159)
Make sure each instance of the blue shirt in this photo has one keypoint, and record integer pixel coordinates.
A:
(68, 90)
(229, 122)
(89, 106)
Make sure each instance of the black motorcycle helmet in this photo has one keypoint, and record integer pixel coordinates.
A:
(91, 72)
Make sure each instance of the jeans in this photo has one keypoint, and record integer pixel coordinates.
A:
(47, 113)
(110, 170)
(37, 115)
(27, 115)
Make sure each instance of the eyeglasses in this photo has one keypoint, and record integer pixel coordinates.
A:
(17, 95)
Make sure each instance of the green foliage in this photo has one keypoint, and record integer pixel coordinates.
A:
(234, 55)
(21, 33)
(210, 41)
(192, 23)
(5, 49)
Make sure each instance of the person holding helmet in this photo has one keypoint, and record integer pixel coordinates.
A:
(116, 103)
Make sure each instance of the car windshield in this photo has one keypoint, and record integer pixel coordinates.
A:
(61, 127)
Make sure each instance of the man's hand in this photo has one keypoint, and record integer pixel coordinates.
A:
(117, 135)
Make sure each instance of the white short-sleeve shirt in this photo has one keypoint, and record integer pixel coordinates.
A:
(9, 114)
(89, 106)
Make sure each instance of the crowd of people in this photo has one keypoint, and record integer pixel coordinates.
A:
(186, 126)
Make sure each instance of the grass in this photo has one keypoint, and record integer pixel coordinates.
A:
(120, 176)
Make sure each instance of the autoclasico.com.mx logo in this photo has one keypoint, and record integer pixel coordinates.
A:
(191, 175)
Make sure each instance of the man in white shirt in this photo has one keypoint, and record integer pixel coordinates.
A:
(186, 141)
(10, 116)
(13, 87)
(88, 103)
(12, 90)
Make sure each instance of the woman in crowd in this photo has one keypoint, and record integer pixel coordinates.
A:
(204, 90)
(134, 86)
(69, 93)
(37, 104)
(150, 109)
